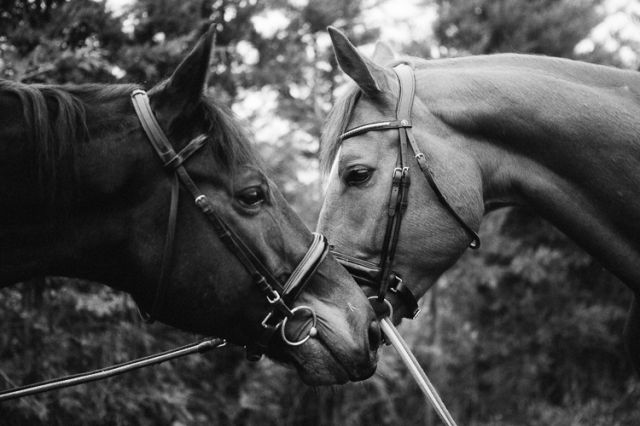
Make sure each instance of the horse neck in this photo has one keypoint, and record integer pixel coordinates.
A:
(60, 233)
(559, 136)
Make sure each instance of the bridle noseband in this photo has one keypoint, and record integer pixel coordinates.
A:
(279, 297)
(382, 275)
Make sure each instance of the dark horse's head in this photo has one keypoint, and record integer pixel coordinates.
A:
(104, 212)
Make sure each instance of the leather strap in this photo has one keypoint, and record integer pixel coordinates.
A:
(157, 137)
(167, 255)
(426, 171)
(295, 284)
(170, 160)
(384, 125)
(398, 198)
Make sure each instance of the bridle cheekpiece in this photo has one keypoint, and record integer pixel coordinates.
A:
(280, 297)
(382, 275)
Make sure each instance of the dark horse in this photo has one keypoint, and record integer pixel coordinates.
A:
(84, 195)
(561, 137)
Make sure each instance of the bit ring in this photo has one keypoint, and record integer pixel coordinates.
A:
(386, 301)
(313, 331)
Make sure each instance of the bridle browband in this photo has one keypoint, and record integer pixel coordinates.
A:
(279, 297)
(382, 275)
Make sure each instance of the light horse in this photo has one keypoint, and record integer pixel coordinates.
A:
(559, 136)
(99, 182)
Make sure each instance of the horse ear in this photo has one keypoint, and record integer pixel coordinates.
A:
(369, 76)
(187, 83)
(383, 53)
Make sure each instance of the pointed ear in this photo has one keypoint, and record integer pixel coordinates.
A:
(187, 83)
(369, 76)
(383, 53)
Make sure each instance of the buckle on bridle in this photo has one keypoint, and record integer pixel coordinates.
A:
(397, 175)
(403, 292)
(396, 186)
(282, 325)
(274, 297)
(279, 305)
(265, 321)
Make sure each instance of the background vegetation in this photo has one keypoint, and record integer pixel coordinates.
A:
(527, 331)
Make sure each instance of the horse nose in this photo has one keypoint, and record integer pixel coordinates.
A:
(368, 366)
(375, 335)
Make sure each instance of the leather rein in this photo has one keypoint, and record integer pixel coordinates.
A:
(382, 276)
(279, 297)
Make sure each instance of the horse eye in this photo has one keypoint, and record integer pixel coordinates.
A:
(251, 197)
(357, 176)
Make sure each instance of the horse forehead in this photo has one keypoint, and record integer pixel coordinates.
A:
(374, 150)
(333, 172)
(366, 111)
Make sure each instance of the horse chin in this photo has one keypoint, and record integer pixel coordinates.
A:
(318, 364)
(315, 365)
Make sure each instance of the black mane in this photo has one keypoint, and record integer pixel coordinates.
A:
(56, 120)
(229, 141)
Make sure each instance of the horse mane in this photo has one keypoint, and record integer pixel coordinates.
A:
(231, 144)
(335, 125)
(55, 121)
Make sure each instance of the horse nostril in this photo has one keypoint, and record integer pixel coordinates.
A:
(375, 335)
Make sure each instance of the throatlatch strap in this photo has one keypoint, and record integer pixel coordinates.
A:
(426, 171)
(167, 254)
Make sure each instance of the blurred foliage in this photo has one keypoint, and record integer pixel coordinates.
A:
(548, 27)
(55, 40)
(525, 332)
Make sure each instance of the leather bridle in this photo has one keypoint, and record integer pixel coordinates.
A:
(280, 297)
(382, 276)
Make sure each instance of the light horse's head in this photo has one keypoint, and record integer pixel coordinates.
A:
(176, 210)
(401, 204)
